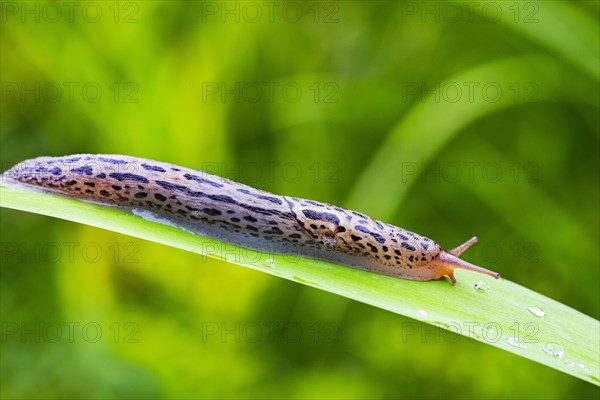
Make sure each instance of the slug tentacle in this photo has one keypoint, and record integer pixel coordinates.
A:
(457, 251)
(445, 263)
(235, 213)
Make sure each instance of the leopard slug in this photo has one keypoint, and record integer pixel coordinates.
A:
(232, 212)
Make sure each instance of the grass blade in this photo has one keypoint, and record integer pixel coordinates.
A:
(495, 316)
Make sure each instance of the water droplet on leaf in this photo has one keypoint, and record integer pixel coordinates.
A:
(482, 286)
(538, 312)
(554, 350)
(515, 342)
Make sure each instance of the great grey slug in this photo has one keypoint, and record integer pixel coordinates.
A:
(232, 212)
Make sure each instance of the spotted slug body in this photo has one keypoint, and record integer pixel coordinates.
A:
(229, 211)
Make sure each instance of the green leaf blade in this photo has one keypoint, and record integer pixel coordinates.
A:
(493, 316)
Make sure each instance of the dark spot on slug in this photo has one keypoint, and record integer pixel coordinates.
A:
(171, 186)
(140, 195)
(202, 180)
(387, 256)
(220, 197)
(373, 248)
(378, 237)
(90, 184)
(362, 229)
(116, 187)
(295, 235)
(212, 211)
(425, 245)
(112, 161)
(101, 175)
(132, 177)
(355, 238)
(408, 246)
(359, 215)
(250, 218)
(397, 252)
(314, 203)
(70, 183)
(87, 170)
(153, 168)
(159, 197)
(322, 216)
(384, 248)
(191, 208)
(104, 193)
(314, 226)
(275, 231)
(235, 219)
(271, 199)
(252, 228)
(340, 229)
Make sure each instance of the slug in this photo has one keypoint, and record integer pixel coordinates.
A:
(232, 212)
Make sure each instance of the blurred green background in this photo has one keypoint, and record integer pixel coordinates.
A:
(448, 119)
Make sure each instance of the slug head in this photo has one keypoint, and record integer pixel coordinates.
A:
(447, 261)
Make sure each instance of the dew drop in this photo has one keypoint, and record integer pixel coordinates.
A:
(569, 362)
(423, 313)
(584, 368)
(554, 350)
(538, 312)
(489, 330)
(482, 286)
(515, 342)
(270, 262)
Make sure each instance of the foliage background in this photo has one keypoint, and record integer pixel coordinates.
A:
(355, 134)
